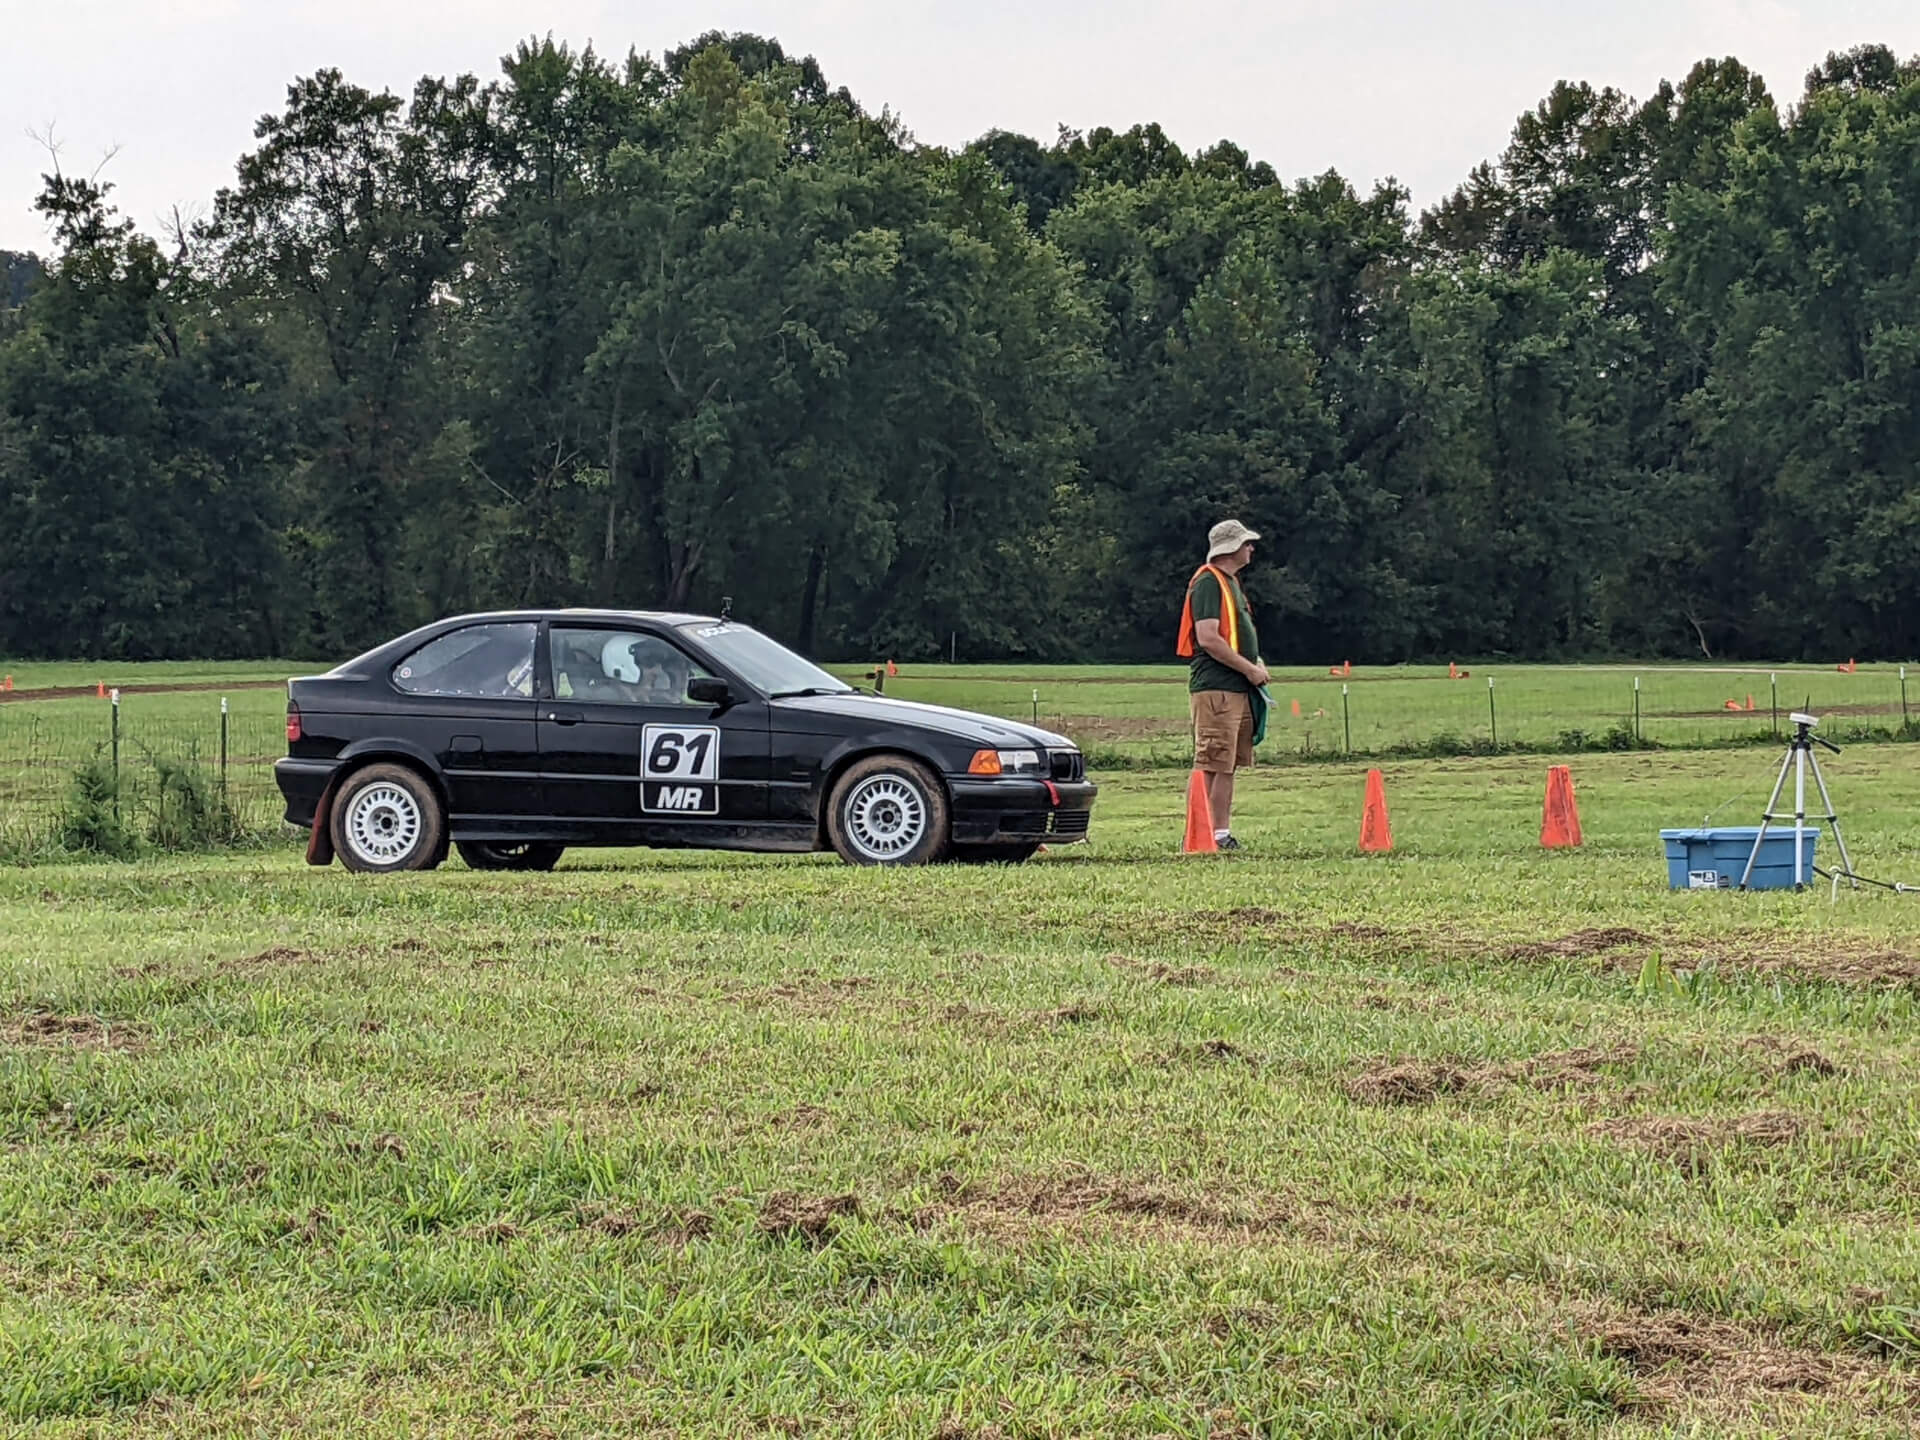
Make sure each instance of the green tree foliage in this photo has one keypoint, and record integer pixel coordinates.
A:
(650, 333)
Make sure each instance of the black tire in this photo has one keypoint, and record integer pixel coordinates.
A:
(889, 810)
(509, 855)
(1014, 854)
(387, 818)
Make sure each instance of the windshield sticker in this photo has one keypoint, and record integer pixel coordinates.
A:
(712, 631)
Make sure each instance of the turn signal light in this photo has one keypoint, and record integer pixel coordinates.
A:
(293, 723)
(984, 762)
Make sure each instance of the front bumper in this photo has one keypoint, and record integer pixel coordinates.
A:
(302, 783)
(1009, 811)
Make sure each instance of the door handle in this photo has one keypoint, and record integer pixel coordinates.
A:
(564, 717)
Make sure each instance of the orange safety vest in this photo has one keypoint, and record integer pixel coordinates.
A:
(1229, 615)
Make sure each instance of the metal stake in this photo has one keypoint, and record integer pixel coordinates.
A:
(1775, 679)
(223, 751)
(1636, 709)
(114, 695)
(1346, 718)
(1493, 721)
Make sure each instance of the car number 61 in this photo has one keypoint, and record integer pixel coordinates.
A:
(681, 752)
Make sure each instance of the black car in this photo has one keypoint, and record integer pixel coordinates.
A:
(515, 735)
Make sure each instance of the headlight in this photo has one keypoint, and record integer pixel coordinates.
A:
(1006, 762)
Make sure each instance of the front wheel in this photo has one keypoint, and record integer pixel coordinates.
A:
(889, 810)
(388, 818)
(509, 855)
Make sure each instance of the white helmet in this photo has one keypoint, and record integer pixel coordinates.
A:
(616, 659)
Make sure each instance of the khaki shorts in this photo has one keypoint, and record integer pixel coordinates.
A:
(1222, 731)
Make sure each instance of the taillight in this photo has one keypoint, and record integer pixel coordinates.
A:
(293, 722)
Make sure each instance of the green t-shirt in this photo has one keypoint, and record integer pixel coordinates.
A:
(1208, 673)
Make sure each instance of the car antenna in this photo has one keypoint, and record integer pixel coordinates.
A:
(726, 608)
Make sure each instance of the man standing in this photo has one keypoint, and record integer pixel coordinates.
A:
(1226, 676)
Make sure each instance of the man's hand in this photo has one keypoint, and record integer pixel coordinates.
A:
(1257, 674)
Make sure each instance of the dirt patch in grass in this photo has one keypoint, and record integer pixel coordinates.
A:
(273, 955)
(1027, 1202)
(1419, 1082)
(809, 995)
(1209, 1052)
(1582, 944)
(1700, 1361)
(1120, 727)
(785, 1212)
(72, 1032)
(1075, 1012)
(801, 1117)
(1178, 976)
(1790, 1056)
(1685, 1139)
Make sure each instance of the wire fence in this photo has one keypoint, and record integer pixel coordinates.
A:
(157, 750)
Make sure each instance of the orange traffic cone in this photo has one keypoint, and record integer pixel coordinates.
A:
(1749, 702)
(1376, 835)
(8, 685)
(1199, 839)
(100, 688)
(1849, 668)
(1296, 709)
(1729, 704)
(892, 669)
(1560, 822)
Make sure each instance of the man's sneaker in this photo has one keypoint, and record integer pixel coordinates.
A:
(1227, 842)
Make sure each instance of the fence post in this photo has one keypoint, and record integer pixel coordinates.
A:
(223, 751)
(1036, 707)
(1774, 682)
(1636, 709)
(1904, 721)
(114, 696)
(1346, 718)
(1493, 721)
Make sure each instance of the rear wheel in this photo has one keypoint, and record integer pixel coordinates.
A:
(504, 855)
(1016, 854)
(387, 818)
(889, 810)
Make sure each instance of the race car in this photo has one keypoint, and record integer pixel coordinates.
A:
(515, 735)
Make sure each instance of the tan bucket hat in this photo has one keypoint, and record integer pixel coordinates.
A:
(1227, 537)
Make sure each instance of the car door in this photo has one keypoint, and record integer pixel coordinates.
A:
(624, 751)
(467, 699)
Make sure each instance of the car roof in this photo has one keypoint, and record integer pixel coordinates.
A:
(655, 617)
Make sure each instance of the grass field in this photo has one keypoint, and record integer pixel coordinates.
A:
(1466, 1140)
(1125, 716)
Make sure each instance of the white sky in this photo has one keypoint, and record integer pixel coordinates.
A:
(1371, 88)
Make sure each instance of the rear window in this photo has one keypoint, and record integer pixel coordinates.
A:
(483, 661)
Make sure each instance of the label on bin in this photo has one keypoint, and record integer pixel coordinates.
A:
(1708, 880)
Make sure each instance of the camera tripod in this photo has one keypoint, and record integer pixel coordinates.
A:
(1800, 759)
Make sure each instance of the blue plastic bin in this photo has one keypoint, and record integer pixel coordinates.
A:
(1712, 859)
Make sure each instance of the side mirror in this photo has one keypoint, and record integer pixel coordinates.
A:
(708, 690)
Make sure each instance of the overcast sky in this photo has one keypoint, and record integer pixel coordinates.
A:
(1417, 91)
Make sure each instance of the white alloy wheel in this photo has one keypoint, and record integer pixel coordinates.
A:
(383, 824)
(885, 817)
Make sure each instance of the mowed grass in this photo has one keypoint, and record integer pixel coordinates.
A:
(1466, 1140)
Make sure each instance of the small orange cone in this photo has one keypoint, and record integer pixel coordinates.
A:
(1296, 709)
(8, 685)
(1730, 705)
(1376, 835)
(1560, 822)
(1199, 839)
(1849, 668)
(1453, 671)
(1749, 702)
(100, 688)
(892, 669)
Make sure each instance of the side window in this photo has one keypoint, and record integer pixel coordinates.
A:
(619, 666)
(486, 661)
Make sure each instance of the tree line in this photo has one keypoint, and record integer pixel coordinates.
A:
(649, 333)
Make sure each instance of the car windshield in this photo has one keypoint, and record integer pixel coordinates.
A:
(765, 664)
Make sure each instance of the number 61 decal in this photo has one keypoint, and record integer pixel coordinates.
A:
(680, 769)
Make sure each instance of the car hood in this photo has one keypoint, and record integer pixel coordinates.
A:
(879, 710)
